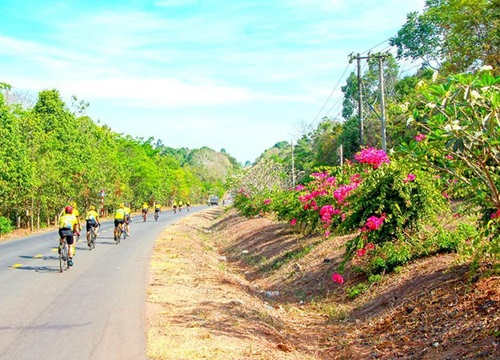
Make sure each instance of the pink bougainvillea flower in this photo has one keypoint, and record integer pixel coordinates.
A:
(356, 178)
(374, 222)
(337, 278)
(300, 187)
(331, 181)
(446, 195)
(449, 157)
(369, 246)
(293, 222)
(420, 137)
(409, 178)
(343, 192)
(327, 233)
(267, 201)
(372, 157)
(361, 252)
(496, 215)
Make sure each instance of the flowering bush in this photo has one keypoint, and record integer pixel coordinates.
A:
(458, 121)
(381, 200)
(390, 205)
(372, 157)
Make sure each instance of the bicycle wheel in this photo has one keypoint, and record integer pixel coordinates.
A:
(61, 266)
(92, 239)
(117, 235)
(124, 234)
(63, 257)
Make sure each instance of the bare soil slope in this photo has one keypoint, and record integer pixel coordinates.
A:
(226, 287)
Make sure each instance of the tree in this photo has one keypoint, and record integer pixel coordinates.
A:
(452, 35)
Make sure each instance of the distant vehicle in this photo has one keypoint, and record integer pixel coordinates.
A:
(214, 200)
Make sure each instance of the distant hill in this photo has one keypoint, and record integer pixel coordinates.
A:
(212, 165)
(280, 151)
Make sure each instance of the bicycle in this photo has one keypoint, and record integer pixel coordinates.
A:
(63, 255)
(118, 233)
(157, 214)
(144, 216)
(93, 237)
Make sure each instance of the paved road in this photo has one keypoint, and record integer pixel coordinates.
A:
(96, 310)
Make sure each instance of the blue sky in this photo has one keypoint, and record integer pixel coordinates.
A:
(238, 75)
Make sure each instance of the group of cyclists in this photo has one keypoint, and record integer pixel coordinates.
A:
(177, 205)
(70, 222)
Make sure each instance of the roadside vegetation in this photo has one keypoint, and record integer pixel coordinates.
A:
(436, 189)
(52, 154)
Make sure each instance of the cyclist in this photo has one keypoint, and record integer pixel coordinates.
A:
(76, 213)
(92, 219)
(188, 204)
(180, 205)
(174, 205)
(145, 210)
(119, 217)
(127, 219)
(68, 225)
(157, 209)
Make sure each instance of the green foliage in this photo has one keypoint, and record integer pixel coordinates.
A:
(5, 226)
(406, 205)
(49, 156)
(459, 122)
(391, 256)
(452, 35)
(356, 290)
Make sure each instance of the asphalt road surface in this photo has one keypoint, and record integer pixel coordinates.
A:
(95, 310)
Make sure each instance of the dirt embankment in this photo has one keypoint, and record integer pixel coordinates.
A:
(226, 287)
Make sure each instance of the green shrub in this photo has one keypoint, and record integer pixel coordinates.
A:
(356, 290)
(5, 226)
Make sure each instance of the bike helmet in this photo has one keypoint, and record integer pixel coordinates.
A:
(68, 209)
(92, 207)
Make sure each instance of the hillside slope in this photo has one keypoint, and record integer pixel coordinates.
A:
(226, 287)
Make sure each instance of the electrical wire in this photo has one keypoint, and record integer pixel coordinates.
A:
(331, 94)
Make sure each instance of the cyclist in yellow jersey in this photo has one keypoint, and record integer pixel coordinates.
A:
(174, 206)
(68, 225)
(120, 216)
(179, 203)
(127, 219)
(77, 214)
(93, 221)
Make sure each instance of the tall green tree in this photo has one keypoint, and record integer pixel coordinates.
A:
(452, 35)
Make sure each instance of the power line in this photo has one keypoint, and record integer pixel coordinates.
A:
(331, 94)
(369, 50)
(336, 105)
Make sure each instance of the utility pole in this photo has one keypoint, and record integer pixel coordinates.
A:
(380, 58)
(341, 155)
(293, 168)
(358, 58)
(382, 100)
(360, 103)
